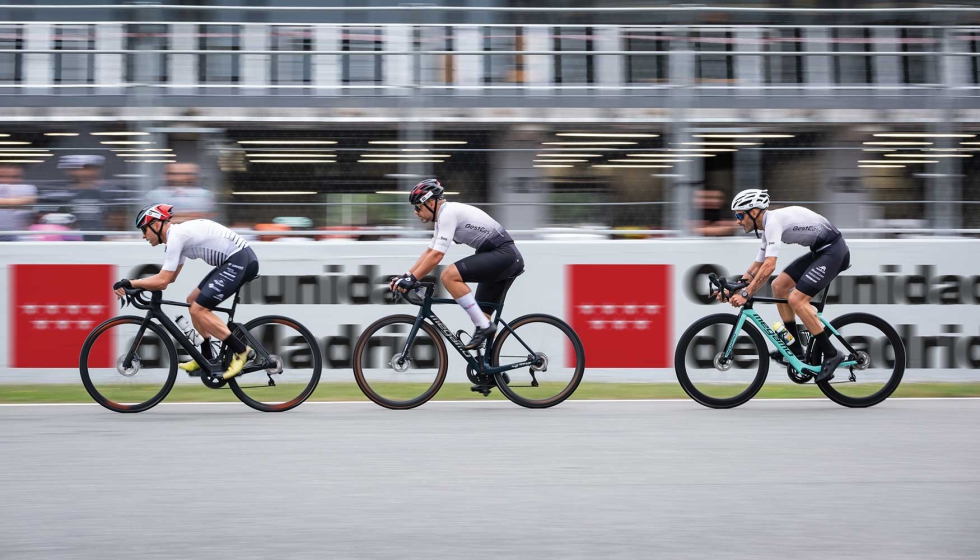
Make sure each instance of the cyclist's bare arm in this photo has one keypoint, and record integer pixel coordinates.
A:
(158, 281)
(427, 263)
(761, 273)
(753, 271)
(421, 259)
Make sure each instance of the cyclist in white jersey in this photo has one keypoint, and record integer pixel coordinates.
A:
(234, 261)
(496, 261)
(805, 277)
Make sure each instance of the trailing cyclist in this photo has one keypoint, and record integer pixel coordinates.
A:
(804, 278)
(216, 245)
(496, 260)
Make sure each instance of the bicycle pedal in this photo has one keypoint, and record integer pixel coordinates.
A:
(485, 389)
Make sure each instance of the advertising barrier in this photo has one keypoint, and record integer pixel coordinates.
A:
(628, 300)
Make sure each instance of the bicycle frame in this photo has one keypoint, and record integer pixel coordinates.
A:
(777, 342)
(425, 312)
(154, 310)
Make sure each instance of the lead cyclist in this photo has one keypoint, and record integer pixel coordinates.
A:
(804, 278)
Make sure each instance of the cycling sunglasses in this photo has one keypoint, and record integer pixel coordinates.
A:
(739, 216)
(418, 207)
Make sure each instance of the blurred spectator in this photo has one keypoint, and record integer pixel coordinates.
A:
(96, 204)
(190, 201)
(16, 199)
(57, 227)
(713, 220)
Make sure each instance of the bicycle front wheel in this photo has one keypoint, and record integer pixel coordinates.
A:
(557, 356)
(394, 380)
(122, 381)
(711, 378)
(880, 354)
(294, 373)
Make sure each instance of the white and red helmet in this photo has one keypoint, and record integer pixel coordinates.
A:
(148, 214)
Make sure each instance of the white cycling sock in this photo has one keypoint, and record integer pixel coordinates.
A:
(468, 303)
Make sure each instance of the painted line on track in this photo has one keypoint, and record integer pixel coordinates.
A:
(496, 402)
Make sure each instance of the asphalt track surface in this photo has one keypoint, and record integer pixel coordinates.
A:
(773, 479)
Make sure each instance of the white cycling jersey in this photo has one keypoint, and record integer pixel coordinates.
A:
(462, 223)
(797, 225)
(200, 239)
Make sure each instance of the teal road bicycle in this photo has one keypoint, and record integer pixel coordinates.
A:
(722, 360)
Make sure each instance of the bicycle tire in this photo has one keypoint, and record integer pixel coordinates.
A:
(827, 387)
(306, 391)
(577, 348)
(680, 364)
(87, 378)
(379, 399)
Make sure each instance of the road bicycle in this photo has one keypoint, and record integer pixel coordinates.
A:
(129, 363)
(400, 362)
(722, 360)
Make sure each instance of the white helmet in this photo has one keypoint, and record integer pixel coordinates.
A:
(751, 198)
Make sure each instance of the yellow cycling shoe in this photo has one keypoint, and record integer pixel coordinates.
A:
(190, 366)
(237, 363)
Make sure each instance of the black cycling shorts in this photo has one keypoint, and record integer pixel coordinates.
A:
(815, 271)
(492, 269)
(227, 278)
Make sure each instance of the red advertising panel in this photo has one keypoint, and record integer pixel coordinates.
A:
(54, 307)
(622, 313)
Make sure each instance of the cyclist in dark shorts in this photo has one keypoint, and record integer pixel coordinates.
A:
(804, 278)
(496, 260)
(234, 261)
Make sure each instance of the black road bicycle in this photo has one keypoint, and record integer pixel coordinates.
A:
(400, 361)
(282, 372)
(722, 360)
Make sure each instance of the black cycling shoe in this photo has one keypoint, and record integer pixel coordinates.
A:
(828, 366)
(778, 357)
(479, 336)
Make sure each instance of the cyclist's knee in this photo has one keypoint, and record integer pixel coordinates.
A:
(798, 299)
(782, 285)
(198, 310)
(451, 274)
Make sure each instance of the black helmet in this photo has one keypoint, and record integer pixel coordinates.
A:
(425, 190)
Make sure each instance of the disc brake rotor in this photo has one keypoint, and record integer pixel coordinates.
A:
(133, 368)
(277, 369)
(721, 364)
(400, 364)
(540, 362)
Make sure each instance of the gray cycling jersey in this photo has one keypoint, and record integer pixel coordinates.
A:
(796, 225)
(462, 223)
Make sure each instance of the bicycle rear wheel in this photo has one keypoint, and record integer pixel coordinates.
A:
(122, 382)
(298, 364)
(394, 381)
(704, 373)
(881, 361)
(558, 355)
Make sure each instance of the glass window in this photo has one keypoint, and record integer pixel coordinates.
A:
(219, 68)
(852, 69)
(435, 69)
(503, 68)
(919, 69)
(714, 68)
(574, 68)
(147, 68)
(362, 69)
(292, 68)
(646, 68)
(784, 69)
(11, 64)
(76, 68)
